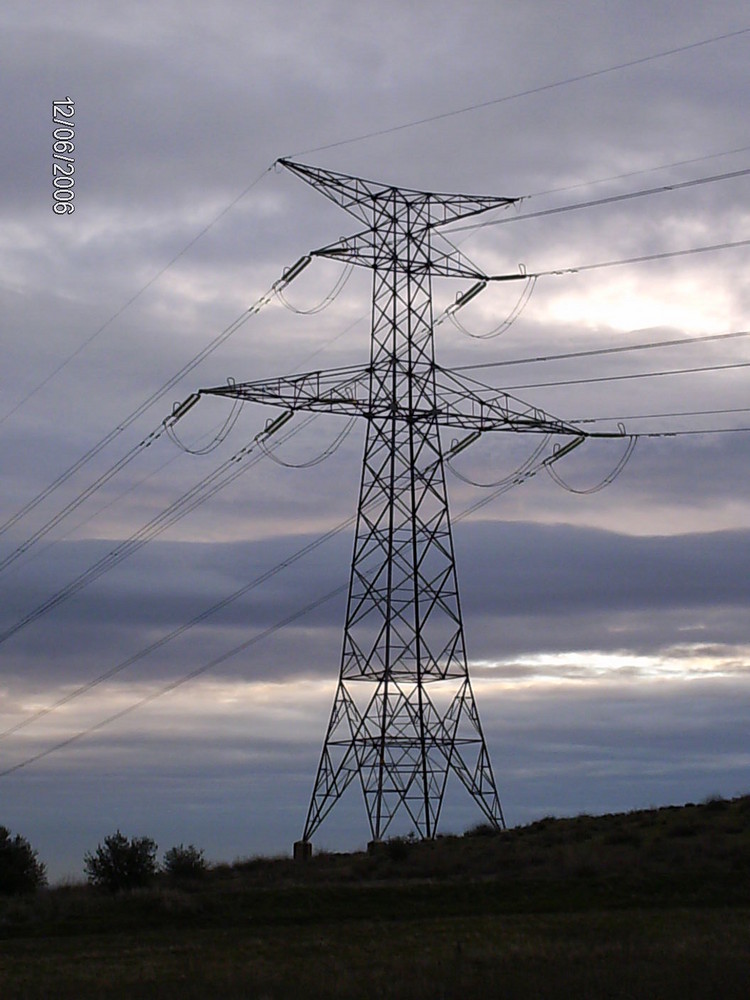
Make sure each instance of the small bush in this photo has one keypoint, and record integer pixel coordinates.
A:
(398, 848)
(482, 830)
(185, 862)
(20, 868)
(120, 863)
(715, 803)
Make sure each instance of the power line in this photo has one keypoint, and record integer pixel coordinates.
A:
(110, 503)
(661, 416)
(626, 260)
(609, 200)
(82, 347)
(207, 488)
(175, 633)
(623, 378)
(144, 443)
(173, 685)
(147, 403)
(599, 351)
(520, 477)
(522, 93)
(636, 173)
(103, 507)
(693, 431)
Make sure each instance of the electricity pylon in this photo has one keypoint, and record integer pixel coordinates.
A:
(404, 714)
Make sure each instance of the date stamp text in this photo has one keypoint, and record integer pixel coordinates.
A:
(63, 161)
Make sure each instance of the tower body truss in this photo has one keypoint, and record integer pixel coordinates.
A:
(404, 715)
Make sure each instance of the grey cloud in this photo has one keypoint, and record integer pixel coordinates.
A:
(525, 589)
(178, 108)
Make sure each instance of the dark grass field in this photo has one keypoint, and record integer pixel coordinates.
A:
(650, 904)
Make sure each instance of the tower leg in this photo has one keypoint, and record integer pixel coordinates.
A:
(302, 850)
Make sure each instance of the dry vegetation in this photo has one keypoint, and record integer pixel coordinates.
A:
(654, 903)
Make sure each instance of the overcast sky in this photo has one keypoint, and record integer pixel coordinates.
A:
(607, 632)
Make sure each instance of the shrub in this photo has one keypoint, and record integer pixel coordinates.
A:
(482, 830)
(120, 863)
(20, 868)
(715, 803)
(185, 862)
(398, 848)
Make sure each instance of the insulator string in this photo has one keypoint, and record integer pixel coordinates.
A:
(505, 324)
(326, 301)
(326, 453)
(608, 479)
(512, 477)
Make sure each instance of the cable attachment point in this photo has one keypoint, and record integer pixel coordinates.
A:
(326, 453)
(559, 451)
(505, 324)
(608, 479)
(458, 446)
(463, 297)
(180, 409)
(329, 298)
(273, 425)
(293, 271)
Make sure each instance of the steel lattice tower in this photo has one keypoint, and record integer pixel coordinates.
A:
(404, 714)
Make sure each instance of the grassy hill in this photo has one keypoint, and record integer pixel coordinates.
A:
(653, 903)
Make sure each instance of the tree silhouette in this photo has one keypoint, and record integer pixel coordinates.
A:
(120, 863)
(20, 868)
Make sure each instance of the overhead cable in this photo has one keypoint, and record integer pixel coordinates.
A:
(693, 432)
(24, 547)
(524, 93)
(153, 398)
(512, 477)
(179, 682)
(609, 200)
(636, 173)
(523, 275)
(175, 633)
(628, 377)
(331, 449)
(166, 425)
(661, 416)
(221, 435)
(253, 640)
(600, 351)
(208, 487)
(82, 347)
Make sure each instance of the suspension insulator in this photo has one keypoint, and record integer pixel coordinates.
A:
(294, 270)
(180, 409)
(457, 446)
(564, 450)
(463, 297)
(273, 425)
